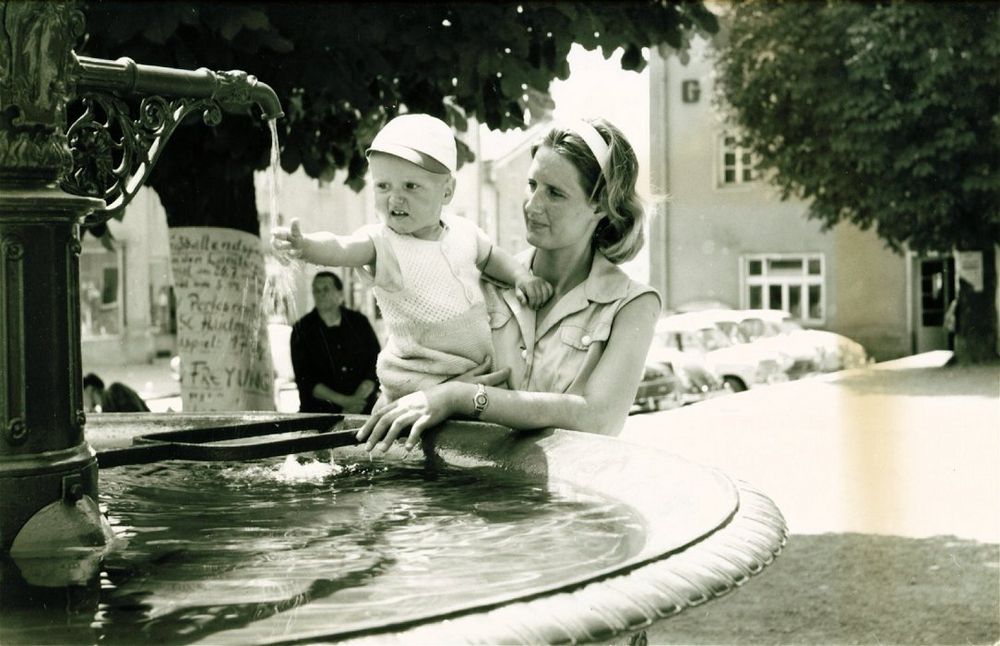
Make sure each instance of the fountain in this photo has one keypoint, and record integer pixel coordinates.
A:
(693, 534)
(48, 473)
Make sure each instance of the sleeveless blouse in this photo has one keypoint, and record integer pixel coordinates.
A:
(559, 353)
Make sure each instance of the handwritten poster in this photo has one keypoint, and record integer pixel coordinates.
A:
(970, 268)
(221, 328)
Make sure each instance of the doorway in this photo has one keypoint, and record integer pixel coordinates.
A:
(934, 291)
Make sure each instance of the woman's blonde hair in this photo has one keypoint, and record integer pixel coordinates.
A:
(619, 234)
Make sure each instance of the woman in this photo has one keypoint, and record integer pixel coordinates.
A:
(333, 351)
(576, 362)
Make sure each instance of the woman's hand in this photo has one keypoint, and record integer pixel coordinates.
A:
(423, 409)
(416, 411)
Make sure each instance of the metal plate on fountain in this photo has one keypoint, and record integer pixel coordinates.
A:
(214, 437)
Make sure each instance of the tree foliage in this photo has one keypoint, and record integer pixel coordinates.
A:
(884, 114)
(342, 69)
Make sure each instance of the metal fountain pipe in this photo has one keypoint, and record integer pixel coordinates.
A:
(125, 76)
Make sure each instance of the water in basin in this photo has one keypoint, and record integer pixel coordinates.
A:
(259, 551)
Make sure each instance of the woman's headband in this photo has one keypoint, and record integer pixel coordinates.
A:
(595, 142)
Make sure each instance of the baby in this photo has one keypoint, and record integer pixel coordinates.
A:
(424, 267)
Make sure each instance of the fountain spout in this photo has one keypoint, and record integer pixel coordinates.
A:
(232, 89)
(113, 151)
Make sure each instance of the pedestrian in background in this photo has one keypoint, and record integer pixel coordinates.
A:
(116, 398)
(334, 350)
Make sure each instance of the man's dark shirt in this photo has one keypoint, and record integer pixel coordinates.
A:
(339, 357)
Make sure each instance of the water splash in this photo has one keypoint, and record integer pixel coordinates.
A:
(294, 468)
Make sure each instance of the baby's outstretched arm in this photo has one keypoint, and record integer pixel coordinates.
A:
(529, 288)
(322, 248)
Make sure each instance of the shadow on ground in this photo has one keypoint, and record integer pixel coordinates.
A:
(966, 381)
(856, 589)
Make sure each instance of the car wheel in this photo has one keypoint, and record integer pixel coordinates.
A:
(734, 384)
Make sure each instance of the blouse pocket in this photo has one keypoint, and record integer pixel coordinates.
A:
(582, 337)
(582, 347)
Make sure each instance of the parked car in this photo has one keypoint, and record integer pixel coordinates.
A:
(660, 389)
(777, 328)
(697, 380)
(797, 357)
(740, 366)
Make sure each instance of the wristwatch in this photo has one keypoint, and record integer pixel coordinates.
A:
(480, 401)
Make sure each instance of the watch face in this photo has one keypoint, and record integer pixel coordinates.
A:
(481, 400)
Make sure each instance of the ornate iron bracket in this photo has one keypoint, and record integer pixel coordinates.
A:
(114, 153)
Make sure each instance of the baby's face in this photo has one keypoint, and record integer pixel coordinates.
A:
(409, 198)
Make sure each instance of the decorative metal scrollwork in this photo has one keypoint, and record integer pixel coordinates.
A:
(113, 154)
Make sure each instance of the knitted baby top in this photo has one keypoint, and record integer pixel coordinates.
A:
(432, 304)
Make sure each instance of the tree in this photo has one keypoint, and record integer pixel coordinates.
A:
(342, 69)
(881, 114)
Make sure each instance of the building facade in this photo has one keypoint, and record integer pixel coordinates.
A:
(722, 234)
(126, 299)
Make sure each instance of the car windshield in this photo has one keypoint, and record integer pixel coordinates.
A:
(732, 330)
(704, 340)
(754, 329)
(790, 326)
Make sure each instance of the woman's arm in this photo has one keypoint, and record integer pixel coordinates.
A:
(601, 408)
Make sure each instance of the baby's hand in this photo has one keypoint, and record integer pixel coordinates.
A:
(533, 290)
(287, 243)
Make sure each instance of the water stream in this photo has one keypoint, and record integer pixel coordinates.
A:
(279, 287)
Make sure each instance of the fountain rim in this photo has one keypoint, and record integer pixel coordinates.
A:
(733, 543)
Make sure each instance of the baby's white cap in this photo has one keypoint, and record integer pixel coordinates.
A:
(417, 137)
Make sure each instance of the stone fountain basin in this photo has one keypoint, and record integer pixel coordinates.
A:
(705, 535)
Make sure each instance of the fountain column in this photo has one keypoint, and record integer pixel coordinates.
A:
(48, 473)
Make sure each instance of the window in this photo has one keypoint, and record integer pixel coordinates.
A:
(790, 282)
(737, 165)
(100, 291)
